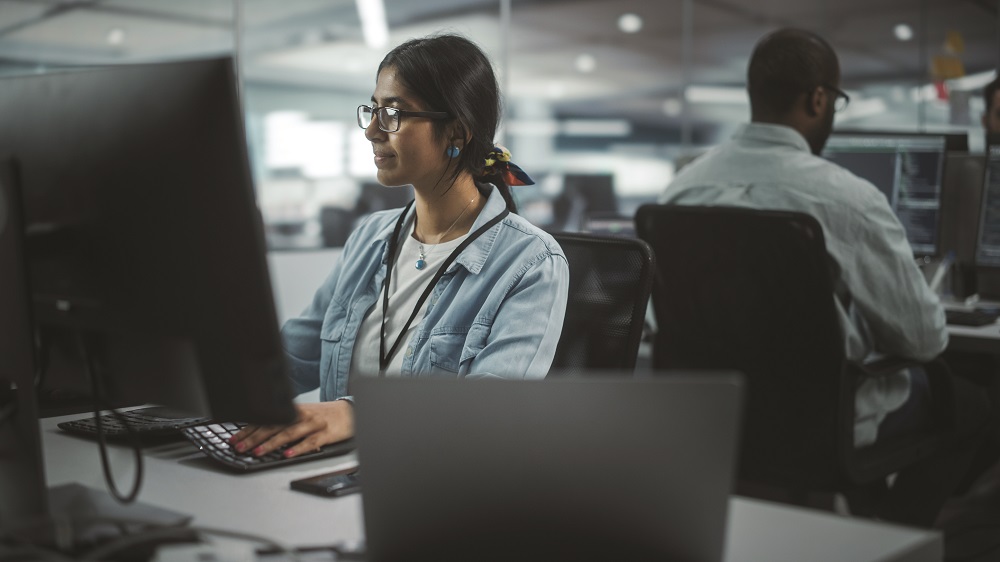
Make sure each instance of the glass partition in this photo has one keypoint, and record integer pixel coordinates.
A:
(602, 96)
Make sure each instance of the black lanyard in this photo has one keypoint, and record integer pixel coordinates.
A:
(383, 358)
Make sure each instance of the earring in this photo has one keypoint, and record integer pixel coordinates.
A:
(452, 152)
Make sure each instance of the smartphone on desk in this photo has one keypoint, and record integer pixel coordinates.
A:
(331, 484)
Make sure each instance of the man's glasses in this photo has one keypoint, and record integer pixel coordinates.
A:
(388, 117)
(840, 100)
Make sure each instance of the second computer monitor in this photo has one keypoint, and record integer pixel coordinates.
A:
(909, 169)
(988, 239)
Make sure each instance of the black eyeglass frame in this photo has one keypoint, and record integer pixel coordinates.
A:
(437, 115)
(840, 94)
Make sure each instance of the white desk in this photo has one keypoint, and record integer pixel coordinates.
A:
(178, 477)
(973, 339)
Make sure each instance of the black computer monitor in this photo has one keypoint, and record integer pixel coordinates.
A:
(142, 242)
(988, 233)
(909, 168)
(584, 195)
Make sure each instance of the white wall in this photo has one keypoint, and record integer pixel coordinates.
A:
(295, 276)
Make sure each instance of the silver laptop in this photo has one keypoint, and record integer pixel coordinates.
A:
(561, 469)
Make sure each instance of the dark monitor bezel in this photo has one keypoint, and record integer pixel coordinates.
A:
(156, 155)
(992, 140)
(954, 142)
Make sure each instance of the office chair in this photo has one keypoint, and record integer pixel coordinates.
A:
(610, 279)
(752, 291)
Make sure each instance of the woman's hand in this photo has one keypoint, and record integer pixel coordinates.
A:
(318, 424)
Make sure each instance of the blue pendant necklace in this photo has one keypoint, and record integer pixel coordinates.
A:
(422, 255)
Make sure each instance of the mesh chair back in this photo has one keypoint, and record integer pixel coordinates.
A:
(751, 290)
(609, 284)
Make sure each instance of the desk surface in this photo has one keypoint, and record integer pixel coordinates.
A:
(973, 339)
(178, 477)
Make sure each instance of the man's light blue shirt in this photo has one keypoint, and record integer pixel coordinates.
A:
(883, 300)
(497, 311)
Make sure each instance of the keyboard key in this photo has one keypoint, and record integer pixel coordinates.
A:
(153, 422)
(210, 439)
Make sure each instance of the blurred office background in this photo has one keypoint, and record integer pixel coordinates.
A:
(604, 98)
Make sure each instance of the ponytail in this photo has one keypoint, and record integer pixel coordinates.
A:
(501, 172)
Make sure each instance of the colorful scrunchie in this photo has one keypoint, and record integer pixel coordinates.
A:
(498, 162)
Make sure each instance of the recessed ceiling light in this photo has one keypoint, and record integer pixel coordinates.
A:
(903, 32)
(115, 36)
(586, 63)
(374, 25)
(630, 23)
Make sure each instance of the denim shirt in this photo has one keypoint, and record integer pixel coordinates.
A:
(497, 310)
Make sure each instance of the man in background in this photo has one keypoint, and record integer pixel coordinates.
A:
(883, 300)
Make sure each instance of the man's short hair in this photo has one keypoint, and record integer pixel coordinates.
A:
(786, 64)
(989, 91)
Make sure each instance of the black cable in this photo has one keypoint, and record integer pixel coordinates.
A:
(99, 401)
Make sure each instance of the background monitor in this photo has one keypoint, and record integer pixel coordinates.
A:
(143, 243)
(988, 238)
(909, 168)
(583, 195)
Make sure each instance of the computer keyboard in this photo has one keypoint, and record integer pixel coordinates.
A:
(213, 440)
(150, 423)
(960, 317)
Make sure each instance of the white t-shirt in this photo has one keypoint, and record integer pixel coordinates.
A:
(405, 288)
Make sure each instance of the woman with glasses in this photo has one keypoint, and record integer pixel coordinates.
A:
(456, 284)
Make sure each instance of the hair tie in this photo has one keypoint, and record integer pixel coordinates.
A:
(498, 162)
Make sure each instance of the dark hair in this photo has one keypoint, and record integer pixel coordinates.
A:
(786, 64)
(989, 91)
(452, 74)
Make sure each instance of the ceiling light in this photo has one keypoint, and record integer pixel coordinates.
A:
(716, 94)
(115, 36)
(586, 63)
(596, 128)
(672, 107)
(903, 32)
(374, 25)
(630, 23)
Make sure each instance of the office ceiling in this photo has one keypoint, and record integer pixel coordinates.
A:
(570, 53)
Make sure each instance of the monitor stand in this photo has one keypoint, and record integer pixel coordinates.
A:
(28, 508)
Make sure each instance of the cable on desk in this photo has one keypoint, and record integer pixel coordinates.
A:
(99, 400)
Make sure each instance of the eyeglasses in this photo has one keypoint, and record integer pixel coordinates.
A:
(840, 100)
(388, 117)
